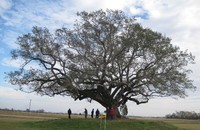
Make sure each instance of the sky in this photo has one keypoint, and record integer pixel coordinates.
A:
(177, 19)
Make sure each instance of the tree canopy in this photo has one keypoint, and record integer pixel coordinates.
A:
(106, 56)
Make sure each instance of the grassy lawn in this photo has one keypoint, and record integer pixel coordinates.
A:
(180, 123)
(46, 121)
(186, 124)
(14, 120)
(89, 124)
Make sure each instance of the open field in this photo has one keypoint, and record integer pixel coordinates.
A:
(10, 120)
(180, 123)
(186, 124)
(46, 121)
(13, 120)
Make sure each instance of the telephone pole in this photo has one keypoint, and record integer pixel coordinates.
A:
(30, 105)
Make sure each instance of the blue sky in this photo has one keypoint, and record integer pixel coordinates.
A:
(178, 20)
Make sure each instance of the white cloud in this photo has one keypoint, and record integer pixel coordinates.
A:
(12, 18)
(9, 62)
(10, 93)
(5, 5)
(52, 15)
(163, 106)
(12, 63)
(29, 14)
(91, 5)
(10, 37)
(188, 14)
(11, 98)
(136, 11)
(176, 19)
(119, 4)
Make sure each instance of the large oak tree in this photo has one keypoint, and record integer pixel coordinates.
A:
(107, 57)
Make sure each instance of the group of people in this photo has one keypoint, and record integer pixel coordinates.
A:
(86, 113)
(111, 113)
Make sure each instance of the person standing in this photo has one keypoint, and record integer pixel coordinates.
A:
(92, 113)
(69, 113)
(86, 113)
(112, 113)
(97, 113)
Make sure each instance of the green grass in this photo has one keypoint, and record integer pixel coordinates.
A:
(186, 124)
(10, 120)
(89, 124)
(46, 121)
(180, 123)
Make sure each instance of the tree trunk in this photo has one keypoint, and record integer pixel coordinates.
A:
(112, 113)
(118, 115)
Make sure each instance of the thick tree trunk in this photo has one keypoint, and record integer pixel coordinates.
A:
(118, 115)
(112, 113)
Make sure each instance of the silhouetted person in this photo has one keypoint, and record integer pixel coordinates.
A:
(92, 113)
(69, 113)
(97, 113)
(86, 113)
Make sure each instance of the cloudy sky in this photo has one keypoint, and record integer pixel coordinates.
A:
(177, 19)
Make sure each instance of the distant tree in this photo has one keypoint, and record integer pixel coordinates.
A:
(27, 110)
(40, 111)
(106, 56)
(184, 115)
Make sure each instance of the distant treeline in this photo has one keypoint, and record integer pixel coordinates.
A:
(27, 110)
(34, 111)
(184, 115)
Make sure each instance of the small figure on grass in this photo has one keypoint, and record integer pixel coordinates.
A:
(97, 113)
(92, 113)
(69, 113)
(86, 113)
